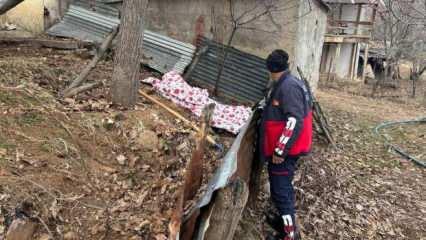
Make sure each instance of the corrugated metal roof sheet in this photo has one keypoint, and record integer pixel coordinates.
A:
(159, 52)
(84, 24)
(99, 6)
(244, 77)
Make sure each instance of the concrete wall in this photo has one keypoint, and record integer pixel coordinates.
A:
(54, 12)
(310, 40)
(28, 15)
(276, 31)
(185, 19)
(299, 28)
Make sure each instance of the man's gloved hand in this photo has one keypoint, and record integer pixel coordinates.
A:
(277, 160)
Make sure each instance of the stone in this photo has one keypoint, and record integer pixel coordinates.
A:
(121, 159)
(21, 229)
(71, 236)
(44, 237)
(148, 140)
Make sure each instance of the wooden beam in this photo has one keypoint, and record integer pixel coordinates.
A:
(336, 59)
(329, 38)
(373, 17)
(355, 45)
(353, 60)
(364, 71)
(352, 22)
(348, 28)
(358, 18)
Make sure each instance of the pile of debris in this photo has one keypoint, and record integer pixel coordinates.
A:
(78, 168)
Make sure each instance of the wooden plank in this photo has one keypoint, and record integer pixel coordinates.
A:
(47, 43)
(364, 71)
(210, 139)
(349, 28)
(352, 22)
(336, 60)
(353, 60)
(355, 46)
(345, 39)
(229, 206)
(348, 36)
(358, 18)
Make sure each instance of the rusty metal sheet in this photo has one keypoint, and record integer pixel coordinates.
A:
(236, 163)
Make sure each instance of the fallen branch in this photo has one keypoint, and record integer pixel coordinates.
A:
(77, 90)
(99, 55)
(46, 43)
(45, 227)
(210, 139)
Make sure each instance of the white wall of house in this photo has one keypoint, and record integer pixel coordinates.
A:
(310, 39)
(344, 61)
(27, 15)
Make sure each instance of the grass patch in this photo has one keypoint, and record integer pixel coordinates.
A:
(8, 98)
(30, 118)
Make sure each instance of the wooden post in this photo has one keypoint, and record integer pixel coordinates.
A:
(353, 60)
(229, 205)
(336, 60)
(358, 19)
(364, 71)
(355, 47)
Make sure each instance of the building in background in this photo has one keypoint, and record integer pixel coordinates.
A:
(31, 17)
(349, 30)
(298, 27)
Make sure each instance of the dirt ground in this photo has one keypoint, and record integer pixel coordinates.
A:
(359, 190)
(88, 171)
(399, 92)
(79, 167)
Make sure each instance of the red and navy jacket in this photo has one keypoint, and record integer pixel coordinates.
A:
(286, 125)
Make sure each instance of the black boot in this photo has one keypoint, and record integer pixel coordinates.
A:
(275, 236)
(275, 221)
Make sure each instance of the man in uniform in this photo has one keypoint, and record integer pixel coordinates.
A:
(285, 135)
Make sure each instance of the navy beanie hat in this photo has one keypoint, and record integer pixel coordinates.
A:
(277, 61)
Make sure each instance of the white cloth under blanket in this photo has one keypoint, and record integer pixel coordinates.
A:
(175, 88)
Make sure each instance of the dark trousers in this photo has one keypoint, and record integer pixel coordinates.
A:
(282, 191)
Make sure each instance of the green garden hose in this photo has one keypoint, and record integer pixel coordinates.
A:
(396, 148)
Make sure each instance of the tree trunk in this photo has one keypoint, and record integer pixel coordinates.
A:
(229, 206)
(129, 53)
(225, 57)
